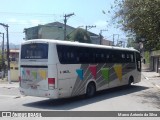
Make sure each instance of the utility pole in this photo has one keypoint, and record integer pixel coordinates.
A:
(3, 73)
(6, 27)
(100, 35)
(117, 39)
(89, 27)
(65, 22)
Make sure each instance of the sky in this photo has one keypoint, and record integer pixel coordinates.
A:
(20, 14)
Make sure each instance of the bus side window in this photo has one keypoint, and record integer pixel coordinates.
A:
(92, 58)
(60, 53)
(60, 56)
(118, 57)
(123, 58)
(72, 57)
(81, 55)
(97, 56)
(109, 57)
(64, 55)
(127, 57)
(132, 57)
(114, 57)
(102, 57)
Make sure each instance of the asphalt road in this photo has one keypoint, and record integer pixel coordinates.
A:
(143, 96)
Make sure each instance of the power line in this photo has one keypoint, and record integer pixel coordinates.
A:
(16, 32)
(30, 14)
(89, 27)
(28, 22)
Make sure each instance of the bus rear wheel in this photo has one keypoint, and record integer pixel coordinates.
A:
(91, 90)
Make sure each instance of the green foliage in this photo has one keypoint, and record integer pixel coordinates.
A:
(130, 42)
(141, 18)
(5, 57)
(80, 35)
(147, 56)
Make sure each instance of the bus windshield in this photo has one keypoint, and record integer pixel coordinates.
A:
(34, 51)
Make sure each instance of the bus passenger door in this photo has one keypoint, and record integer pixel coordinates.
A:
(138, 66)
(138, 62)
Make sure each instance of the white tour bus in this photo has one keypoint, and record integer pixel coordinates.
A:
(59, 69)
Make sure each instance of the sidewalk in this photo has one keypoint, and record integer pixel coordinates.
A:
(152, 77)
(5, 83)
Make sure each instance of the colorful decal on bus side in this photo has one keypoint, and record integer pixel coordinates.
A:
(105, 74)
(93, 70)
(43, 74)
(40, 74)
(28, 72)
(23, 72)
(34, 74)
(118, 70)
(80, 73)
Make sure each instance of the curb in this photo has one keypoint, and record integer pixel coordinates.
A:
(9, 85)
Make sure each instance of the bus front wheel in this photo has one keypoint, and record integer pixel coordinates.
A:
(131, 80)
(91, 90)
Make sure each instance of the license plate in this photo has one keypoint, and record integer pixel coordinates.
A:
(34, 87)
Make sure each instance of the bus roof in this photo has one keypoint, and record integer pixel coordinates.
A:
(71, 43)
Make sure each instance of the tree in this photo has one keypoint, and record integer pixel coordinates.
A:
(130, 42)
(141, 19)
(80, 35)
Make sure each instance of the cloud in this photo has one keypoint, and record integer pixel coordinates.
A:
(32, 22)
(17, 21)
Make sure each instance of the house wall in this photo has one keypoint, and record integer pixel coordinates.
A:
(14, 70)
(155, 60)
(46, 32)
(107, 42)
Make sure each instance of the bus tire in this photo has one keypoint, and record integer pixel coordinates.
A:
(91, 90)
(130, 81)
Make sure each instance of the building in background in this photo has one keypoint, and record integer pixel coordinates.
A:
(14, 57)
(106, 42)
(155, 61)
(55, 30)
(49, 31)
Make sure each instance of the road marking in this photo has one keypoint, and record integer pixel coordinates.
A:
(147, 78)
(157, 86)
